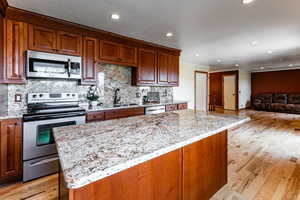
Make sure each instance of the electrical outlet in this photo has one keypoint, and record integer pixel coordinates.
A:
(18, 98)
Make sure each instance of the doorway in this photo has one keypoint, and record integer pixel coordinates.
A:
(201, 84)
(229, 92)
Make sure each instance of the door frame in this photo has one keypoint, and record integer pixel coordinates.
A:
(236, 90)
(195, 88)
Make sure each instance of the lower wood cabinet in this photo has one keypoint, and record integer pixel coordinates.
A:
(194, 172)
(10, 152)
(171, 107)
(114, 114)
(205, 167)
(182, 106)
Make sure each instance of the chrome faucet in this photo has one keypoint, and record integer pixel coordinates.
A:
(117, 98)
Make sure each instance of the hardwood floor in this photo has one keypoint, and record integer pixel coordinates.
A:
(263, 162)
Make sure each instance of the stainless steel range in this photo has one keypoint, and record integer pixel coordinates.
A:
(45, 112)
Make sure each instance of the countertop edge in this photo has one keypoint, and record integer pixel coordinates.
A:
(136, 106)
(131, 163)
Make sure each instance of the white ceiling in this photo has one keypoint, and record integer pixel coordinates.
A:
(214, 29)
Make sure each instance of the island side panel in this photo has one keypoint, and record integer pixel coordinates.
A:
(157, 179)
(205, 167)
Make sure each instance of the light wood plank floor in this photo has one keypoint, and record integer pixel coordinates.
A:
(263, 162)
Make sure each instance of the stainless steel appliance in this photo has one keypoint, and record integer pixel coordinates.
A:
(47, 65)
(45, 112)
(155, 110)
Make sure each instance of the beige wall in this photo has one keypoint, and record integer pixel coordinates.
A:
(185, 91)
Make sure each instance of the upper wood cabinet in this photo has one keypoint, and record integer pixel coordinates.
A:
(116, 53)
(147, 67)
(14, 52)
(168, 69)
(90, 58)
(10, 156)
(162, 68)
(42, 39)
(173, 70)
(68, 43)
(128, 55)
(52, 41)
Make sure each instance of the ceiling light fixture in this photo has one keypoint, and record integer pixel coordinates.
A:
(255, 43)
(247, 1)
(115, 16)
(169, 34)
(219, 60)
(270, 52)
(237, 65)
(197, 55)
(262, 67)
(291, 65)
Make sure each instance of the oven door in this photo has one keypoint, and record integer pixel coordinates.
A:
(38, 137)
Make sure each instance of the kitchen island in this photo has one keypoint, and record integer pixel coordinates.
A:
(179, 155)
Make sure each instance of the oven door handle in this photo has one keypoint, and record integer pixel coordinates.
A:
(69, 68)
(43, 161)
(52, 116)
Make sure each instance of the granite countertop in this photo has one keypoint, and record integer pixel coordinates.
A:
(111, 107)
(94, 151)
(12, 114)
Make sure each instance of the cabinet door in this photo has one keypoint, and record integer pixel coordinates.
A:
(128, 55)
(205, 173)
(90, 58)
(68, 43)
(16, 40)
(162, 68)
(11, 136)
(109, 51)
(42, 39)
(146, 74)
(173, 71)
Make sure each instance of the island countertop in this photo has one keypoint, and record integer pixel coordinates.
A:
(93, 151)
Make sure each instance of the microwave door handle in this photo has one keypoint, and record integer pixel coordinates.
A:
(69, 67)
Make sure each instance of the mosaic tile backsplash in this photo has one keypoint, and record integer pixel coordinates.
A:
(109, 78)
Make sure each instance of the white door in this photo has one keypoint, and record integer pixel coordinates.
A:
(229, 92)
(201, 91)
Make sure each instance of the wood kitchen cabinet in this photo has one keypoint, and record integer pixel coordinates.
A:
(173, 70)
(42, 39)
(205, 167)
(163, 68)
(53, 41)
(10, 155)
(145, 73)
(15, 44)
(90, 59)
(68, 43)
(156, 179)
(116, 53)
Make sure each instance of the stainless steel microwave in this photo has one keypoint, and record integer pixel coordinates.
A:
(48, 65)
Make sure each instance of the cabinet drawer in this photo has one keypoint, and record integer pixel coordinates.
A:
(112, 114)
(95, 116)
(171, 107)
(182, 106)
(137, 111)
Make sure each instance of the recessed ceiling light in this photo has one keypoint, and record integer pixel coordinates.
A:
(247, 1)
(291, 65)
(169, 34)
(219, 60)
(115, 16)
(197, 55)
(262, 67)
(269, 52)
(237, 65)
(254, 43)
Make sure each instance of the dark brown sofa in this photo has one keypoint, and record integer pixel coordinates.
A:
(287, 103)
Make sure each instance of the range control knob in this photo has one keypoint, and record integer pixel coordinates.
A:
(73, 95)
(41, 95)
(34, 96)
(68, 95)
